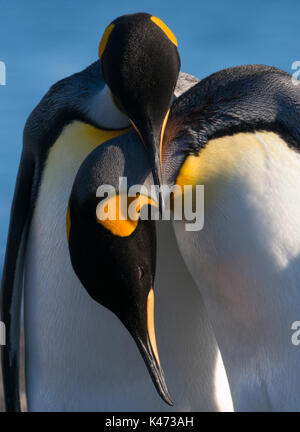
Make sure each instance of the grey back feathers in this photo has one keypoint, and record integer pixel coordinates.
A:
(65, 101)
(240, 99)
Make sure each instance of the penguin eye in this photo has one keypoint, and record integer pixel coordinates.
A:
(141, 272)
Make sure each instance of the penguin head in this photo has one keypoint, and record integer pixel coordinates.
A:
(115, 257)
(140, 64)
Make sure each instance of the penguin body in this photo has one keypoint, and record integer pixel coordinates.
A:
(242, 129)
(55, 304)
(68, 100)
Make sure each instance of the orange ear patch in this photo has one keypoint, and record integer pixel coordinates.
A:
(165, 29)
(120, 214)
(104, 39)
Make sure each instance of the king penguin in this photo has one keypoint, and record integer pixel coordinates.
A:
(114, 258)
(237, 132)
(71, 348)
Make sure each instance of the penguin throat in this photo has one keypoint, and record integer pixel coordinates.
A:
(105, 113)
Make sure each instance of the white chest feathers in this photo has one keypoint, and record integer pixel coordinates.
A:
(246, 262)
(104, 112)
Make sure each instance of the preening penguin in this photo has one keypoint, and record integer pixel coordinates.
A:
(76, 115)
(145, 52)
(237, 132)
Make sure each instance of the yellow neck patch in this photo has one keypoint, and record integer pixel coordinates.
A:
(104, 39)
(226, 157)
(120, 214)
(165, 29)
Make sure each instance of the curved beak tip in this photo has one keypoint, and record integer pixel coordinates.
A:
(159, 382)
(161, 387)
(167, 399)
(164, 393)
(155, 370)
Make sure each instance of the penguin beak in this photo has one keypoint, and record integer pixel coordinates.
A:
(152, 143)
(152, 139)
(146, 343)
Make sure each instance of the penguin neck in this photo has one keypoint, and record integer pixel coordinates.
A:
(104, 112)
(246, 263)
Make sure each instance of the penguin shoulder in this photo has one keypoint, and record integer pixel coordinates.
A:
(242, 99)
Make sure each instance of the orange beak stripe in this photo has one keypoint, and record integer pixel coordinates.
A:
(162, 135)
(68, 222)
(150, 324)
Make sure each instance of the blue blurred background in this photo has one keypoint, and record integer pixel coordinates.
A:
(42, 42)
